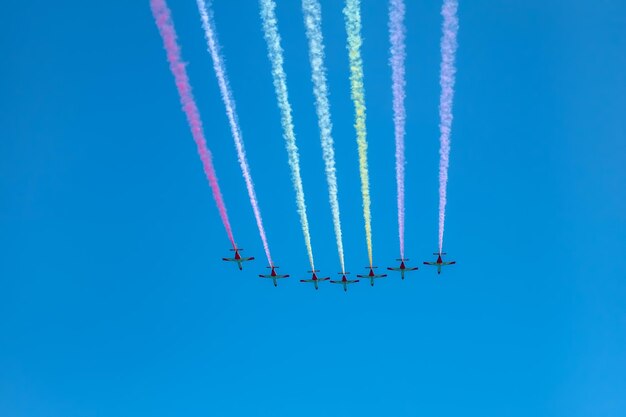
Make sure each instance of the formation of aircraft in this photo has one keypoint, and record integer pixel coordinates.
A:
(402, 268)
(314, 279)
(344, 281)
(372, 276)
(273, 275)
(237, 258)
(439, 262)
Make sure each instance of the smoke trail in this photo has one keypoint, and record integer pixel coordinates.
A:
(446, 79)
(313, 24)
(352, 15)
(162, 17)
(275, 52)
(229, 103)
(398, 55)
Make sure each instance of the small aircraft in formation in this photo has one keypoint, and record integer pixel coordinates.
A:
(402, 268)
(439, 262)
(372, 276)
(344, 281)
(314, 279)
(273, 275)
(238, 258)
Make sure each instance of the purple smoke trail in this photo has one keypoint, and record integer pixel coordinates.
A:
(398, 55)
(162, 17)
(446, 79)
(229, 103)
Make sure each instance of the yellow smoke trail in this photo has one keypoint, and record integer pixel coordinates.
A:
(353, 27)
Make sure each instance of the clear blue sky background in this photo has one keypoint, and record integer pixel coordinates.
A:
(113, 298)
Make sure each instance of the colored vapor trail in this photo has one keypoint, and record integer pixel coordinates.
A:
(162, 17)
(446, 79)
(352, 15)
(398, 55)
(229, 103)
(313, 24)
(275, 53)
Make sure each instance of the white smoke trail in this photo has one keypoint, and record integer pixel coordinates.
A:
(275, 53)
(398, 56)
(229, 103)
(446, 79)
(313, 23)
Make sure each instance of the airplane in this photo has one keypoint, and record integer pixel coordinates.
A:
(314, 279)
(238, 258)
(371, 275)
(439, 263)
(344, 281)
(273, 275)
(402, 268)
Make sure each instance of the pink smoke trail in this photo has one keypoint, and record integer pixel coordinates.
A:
(162, 17)
(446, 79)
(398, 55)
(229, 103)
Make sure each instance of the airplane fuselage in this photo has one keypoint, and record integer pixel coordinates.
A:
(273, 275)
(439, 263)
(372, 276)
(345, 282)
(315, 280)
(402, 268)
(238, 259)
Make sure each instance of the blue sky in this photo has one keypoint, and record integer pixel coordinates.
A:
(113, 298)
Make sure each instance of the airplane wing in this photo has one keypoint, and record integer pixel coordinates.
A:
(307, 280)
(430, 263)
(248, 259)
(323, 279)
(281, 276)
(394, 269)
(449, 263)
(229, 259)
(352, 281)
(335, 282)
